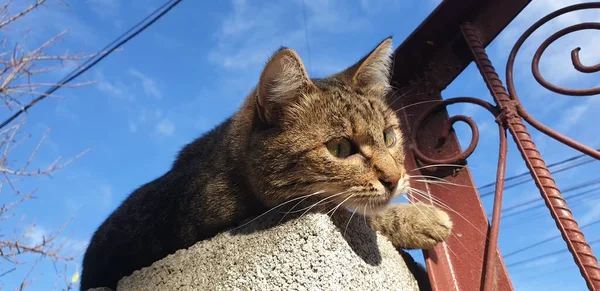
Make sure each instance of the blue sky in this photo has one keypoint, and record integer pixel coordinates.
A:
(192, 69)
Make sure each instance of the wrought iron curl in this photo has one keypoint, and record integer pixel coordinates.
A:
(574, 59)
(492, 237)
(545, 83)
(461, 157)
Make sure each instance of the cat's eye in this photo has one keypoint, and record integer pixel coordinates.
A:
(340, 147)
(389, 136)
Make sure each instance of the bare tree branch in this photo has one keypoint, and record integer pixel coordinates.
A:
(20, 14)
(24, 75)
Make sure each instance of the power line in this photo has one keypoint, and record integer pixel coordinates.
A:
(524, 174)
(537, 200)
(546, 273)
(580, 194)
(527, 176)
(110, 48)
(567, 190)
(528, 173)
(573, 201)
(546, 240)
(546, 255)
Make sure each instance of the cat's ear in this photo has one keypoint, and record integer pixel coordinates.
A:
(281, 81)
(372, 72)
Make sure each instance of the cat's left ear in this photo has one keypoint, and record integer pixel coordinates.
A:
(372, 72)
(282, 79)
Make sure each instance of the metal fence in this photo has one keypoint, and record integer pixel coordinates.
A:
(453, 36)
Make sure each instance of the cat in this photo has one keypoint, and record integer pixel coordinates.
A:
(331, 137)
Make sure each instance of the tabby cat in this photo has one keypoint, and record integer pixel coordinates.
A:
(332, 137)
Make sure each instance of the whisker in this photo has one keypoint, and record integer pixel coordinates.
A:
(339, 204)
(438, 165)
(290, 211)
(438, 179)
(348, 223)
(326, 198)
(281, 204)
(430, 182)
(399, 97)
(417, 103)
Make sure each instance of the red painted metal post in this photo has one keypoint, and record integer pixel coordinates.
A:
(458, 263)
(431, 57)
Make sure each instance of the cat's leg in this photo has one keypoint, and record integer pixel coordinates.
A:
(413, 226)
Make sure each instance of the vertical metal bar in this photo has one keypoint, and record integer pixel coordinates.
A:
(582, 253)
(492, 241)
(456, 264)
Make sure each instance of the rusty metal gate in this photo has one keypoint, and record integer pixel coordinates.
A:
(454, 35)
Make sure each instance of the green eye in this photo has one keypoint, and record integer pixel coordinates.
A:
(389, 136)
(339, 148)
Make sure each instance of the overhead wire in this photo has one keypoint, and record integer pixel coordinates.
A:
(546, 255)
(536, 244)
(557, 167)
(526, 176)
(540, 203)
(579, 186)
(105, 52)
(544, 211)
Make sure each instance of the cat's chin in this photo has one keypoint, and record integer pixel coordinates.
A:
(370, 207)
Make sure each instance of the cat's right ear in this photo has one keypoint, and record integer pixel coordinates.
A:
(282, 79)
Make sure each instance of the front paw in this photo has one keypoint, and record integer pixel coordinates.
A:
(431, 226)
(415, 226)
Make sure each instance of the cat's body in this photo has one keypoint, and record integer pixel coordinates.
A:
(333, 137)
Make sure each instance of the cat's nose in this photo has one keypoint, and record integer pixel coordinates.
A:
(390, 181)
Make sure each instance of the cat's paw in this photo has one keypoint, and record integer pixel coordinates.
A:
(415, 226)
(431, 226)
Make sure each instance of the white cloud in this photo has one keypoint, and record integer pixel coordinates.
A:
(116, 89)
(246, 39)
(105, 8)
(569, 115)
(238, 22)
(575, 116)
(110, 88)
(165, 127)
(69, 246)
(149, 85)
(555, 64)
(36, 235)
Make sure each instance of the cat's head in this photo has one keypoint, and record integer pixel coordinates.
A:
(334, 136)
